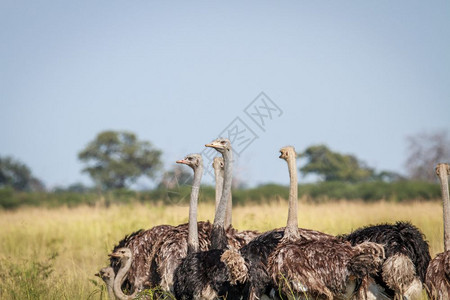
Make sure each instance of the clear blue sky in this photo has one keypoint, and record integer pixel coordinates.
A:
(358, 76)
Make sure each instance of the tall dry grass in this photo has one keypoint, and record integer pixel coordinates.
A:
(54, 253)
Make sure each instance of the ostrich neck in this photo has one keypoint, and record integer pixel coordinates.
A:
(110, 288)
(291, 230)
(110, 291)
(443, 178)
(193, 204)
(120, 278)
(228, 211)
(218, 172)
(218, 237)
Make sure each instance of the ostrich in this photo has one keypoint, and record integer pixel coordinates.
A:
(218, 235)
(144, 245)
(194, 161)
(438, 273)
(204, 275)
(256, 253)
(175, 245)
(107, 275)
(125, 257)
(324, 268)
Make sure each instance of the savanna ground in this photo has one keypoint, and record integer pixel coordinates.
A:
(54, 253)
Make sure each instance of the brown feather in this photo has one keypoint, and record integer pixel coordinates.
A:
(173, 249)
(236, 268)
(438, 277)
(142, 245)
(318, 268)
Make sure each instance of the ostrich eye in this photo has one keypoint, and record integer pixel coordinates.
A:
(223, 142)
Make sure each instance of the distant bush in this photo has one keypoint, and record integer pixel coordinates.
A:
(372, 191)
(315, 192)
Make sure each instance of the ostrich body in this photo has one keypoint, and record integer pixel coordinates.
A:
(438, 273)
(107, 275)
(407, 258)
(323, 268)
(125, 257)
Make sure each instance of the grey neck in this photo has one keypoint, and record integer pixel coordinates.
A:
(219, 174)
(228, 212)
(193, 204)
(110, 286)
(109, 281)
(443, 171)
(120, 278)
(291, 230)
(218, 237)
(110, 289)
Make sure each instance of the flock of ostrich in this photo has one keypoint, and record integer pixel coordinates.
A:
(200, 260)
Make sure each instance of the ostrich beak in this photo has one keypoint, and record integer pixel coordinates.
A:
(115, 255)
(181, 161)
(212, 145)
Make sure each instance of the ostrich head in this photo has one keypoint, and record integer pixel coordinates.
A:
(192, 160)
(106, 273)
(445, 168)
(287, 152)
(218, 163)
(221, 144)
(123, 254)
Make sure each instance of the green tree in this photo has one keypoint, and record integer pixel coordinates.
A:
(17, 175)
(333, 166)
(116, 159)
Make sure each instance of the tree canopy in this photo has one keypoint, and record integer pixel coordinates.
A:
(116, 159)
(17, 175)
(334, 166)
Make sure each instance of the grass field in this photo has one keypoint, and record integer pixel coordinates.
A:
(54, 253)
